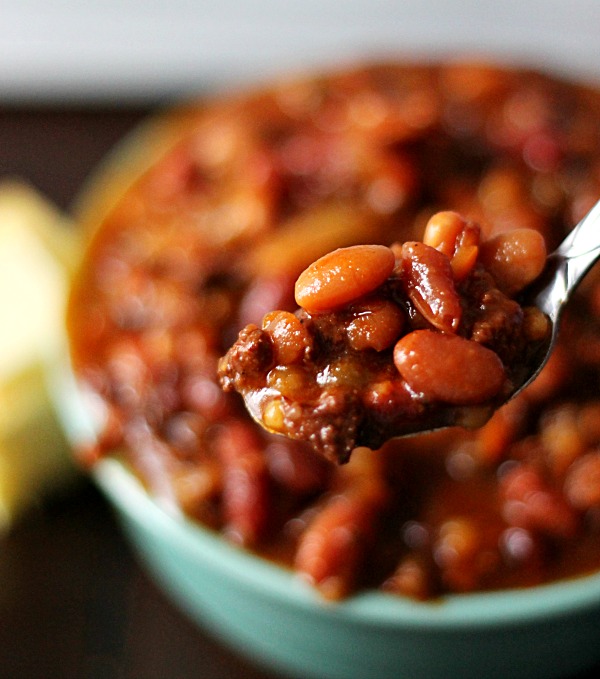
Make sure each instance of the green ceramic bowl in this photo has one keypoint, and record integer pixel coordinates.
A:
(265, 612)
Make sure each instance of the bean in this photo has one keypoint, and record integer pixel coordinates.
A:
(530, 503)
(377, 325)
(582, 485)
(411, 577)
(562, 440)
(333, 547)
(246, 497)
(442, 231)
(429, 283)
(342, 276)
(289, 381)
(310, 234)
(459, 552)
(291, 340)
(448, 368)
(514, 258)
(457, 238)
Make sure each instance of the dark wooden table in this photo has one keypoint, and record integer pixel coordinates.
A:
(74, 603)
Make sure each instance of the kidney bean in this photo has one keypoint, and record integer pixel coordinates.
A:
(448, 368)
(332, 548)
(246, 494)
(343, 275)
(429, 283)
(514, 258)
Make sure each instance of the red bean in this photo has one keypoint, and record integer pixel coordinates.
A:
(245, 482)
(448, 368)
(377, 325)
(429, 283)
(514, 258)
(333, 546)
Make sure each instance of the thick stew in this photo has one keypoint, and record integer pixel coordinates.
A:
(395, 341)
(213, 236)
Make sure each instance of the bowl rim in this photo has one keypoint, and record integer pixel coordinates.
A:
(480, 609)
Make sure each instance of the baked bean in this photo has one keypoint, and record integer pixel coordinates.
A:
(457, 238)
(515, 258)
(378, 397)
(342, 276)
(308, 235)
(411, 578)
(562, 439)
(442, 231)
(376, 324)
(449, 368)
(461, 553)
(290, 381)
(429, 283)
(290, 339)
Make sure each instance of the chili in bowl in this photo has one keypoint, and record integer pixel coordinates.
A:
(423, 557)
(395, 341)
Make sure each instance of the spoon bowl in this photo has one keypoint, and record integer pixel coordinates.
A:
(565, 269)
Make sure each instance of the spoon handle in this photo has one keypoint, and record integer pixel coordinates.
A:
(569, 263)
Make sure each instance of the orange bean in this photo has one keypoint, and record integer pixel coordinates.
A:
(377, 325)
(457, 238)
(290, 338)
(342, 276)
(514, 258)
(448, 368)
(442, 231)
(429, 283)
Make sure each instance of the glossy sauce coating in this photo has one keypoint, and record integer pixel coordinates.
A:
(401, 324)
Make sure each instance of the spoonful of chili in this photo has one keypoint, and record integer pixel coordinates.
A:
(399, 340)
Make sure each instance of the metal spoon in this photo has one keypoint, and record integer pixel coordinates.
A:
(565, 268)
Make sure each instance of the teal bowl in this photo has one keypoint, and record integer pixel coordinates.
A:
(268, 614)
(265, 612)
